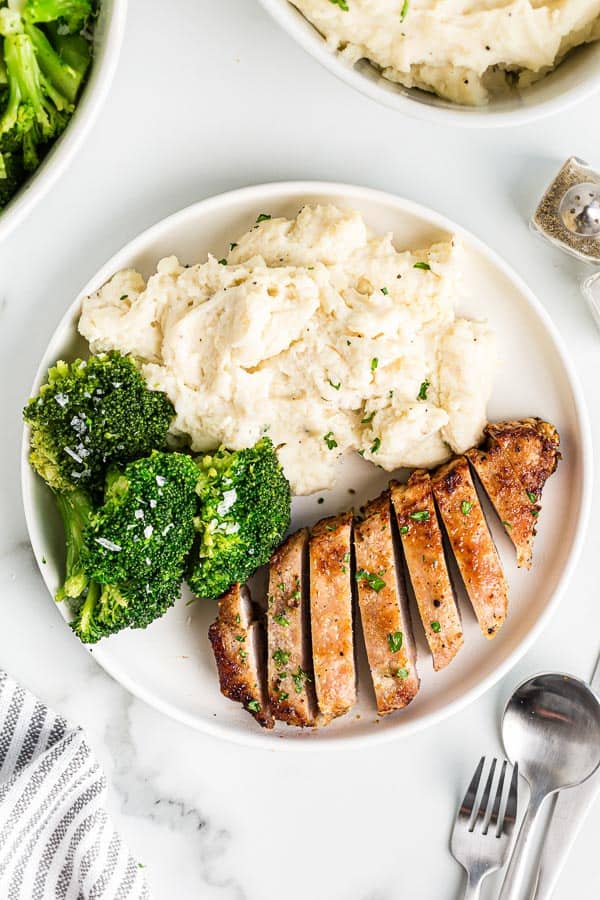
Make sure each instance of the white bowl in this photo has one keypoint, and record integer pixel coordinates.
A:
(574, 80)
(108, 37)
(170, 665)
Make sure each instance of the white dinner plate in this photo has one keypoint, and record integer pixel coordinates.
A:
(170, 665)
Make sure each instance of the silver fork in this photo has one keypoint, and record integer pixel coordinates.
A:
(484, 825)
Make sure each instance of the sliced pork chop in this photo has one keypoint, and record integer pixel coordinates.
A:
(423, 548)
(331, 615)
(290, 675)
(532, 449)
(472, 544)
(384, 614)
(238, 645)
(515, 506)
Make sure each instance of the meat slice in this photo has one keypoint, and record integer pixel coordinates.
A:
(515, 506)
(238, 645)
(423, 548)
(383, 603)
(331, 615)
(471, 543)
(291, 691)
(532, 449)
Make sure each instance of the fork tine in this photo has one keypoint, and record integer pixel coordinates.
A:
(510, 813)
(466, 807)
(485, 798)
(493, 820)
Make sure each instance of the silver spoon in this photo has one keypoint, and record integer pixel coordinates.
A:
(551, 726)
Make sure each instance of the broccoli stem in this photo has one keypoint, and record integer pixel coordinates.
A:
(65, 79)
(75, 508)
(85, 615)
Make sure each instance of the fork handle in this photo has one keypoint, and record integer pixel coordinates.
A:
(473, 887)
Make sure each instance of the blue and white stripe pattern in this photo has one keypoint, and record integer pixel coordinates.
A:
(56, 840)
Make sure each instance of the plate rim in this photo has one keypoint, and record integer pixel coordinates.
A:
(281, 741)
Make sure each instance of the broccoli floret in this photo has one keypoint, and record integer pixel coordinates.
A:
(36, 112)
(73, 14)
(244, 512)
(147, 520)
(42, 70)
(90, 414)
(109, 608)
(126, 559)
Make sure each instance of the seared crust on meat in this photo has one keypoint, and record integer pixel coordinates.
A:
(290, 675)
(383, 610)
(531, 447)
(516, 509)
(471, 543)
(423, 548)
(331, 615)
(237, 644)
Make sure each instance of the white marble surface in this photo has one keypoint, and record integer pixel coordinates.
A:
(210, 95)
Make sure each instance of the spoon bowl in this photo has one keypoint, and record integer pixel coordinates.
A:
(551, 727)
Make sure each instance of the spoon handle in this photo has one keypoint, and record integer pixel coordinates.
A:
(512, 886)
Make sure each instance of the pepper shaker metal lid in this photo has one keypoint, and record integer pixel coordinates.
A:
(568, 214)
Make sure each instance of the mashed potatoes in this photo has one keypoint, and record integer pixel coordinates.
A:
(463, 50)
(315, 332)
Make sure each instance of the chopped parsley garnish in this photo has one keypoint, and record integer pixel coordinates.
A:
(126, 297)
(281, 658)
(240, 637)
(243, 654)
(374, 581)
(296, 595)
(254, 705)
(368, 419)
(330, 440)
(232, 246)
(435, 626)
(422, 265)
(402, 673)
(337, 386)
(341, 3)
(535, 512)
(237, 619)
(281, 620)
(425, 385)
(532, 497)
(376, 445)
(506, 524)
(300, 678)
(422, 515)
(404, 10)
(263, 217)
(346, 557)
(281, 586)
(283, 695)
(385, 291)
(222, 262)
(395, 641)
(466, 507)
(374, 363)
(404, 529)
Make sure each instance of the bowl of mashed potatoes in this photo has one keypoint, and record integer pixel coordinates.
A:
(465, 62)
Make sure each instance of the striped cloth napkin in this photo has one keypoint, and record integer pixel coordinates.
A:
(56, 840)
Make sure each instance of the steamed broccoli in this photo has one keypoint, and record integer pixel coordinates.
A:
(244, 512)
(42, 69)
(132, 551)
(90, 414)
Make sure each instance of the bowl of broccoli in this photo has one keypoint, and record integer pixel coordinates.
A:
(57, 60)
